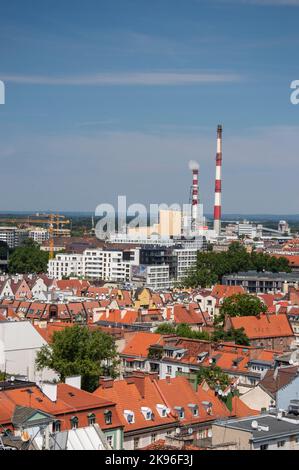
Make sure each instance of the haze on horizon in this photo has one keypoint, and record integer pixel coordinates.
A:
(115, 97)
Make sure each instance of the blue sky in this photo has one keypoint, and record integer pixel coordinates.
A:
(111, 97)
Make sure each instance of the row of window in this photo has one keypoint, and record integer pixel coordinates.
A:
(91, 419)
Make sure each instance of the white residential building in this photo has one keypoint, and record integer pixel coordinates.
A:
(157, 277)
(185, 259)
(64, 265)
(106, 265)
(39, 235)
(13, 236)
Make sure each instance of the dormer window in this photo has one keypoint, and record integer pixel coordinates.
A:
(91, 419)
(74, 422)
(162, 410)
(108, 417)
(147, 412)
(129, 415)
(194, 409)
(180, 411)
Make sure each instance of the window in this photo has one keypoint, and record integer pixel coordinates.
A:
(57, 426)
(264, 447)
(110, 441)
(153, 437)
(169, 369)
(108, 417)
(281, 443)
(74, 422)
(91, 419)
(136, 442)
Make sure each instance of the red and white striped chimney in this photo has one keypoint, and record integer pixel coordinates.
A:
(217, 205)
(194, 167)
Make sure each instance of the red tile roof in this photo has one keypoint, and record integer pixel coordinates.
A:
(139, 344)
(264, 326)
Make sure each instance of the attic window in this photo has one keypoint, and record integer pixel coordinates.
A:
(108, 417)
(91, 419)
(162, 410)
(194, 409)
(180, 411)
(147, 412)
(74, 422)
(129, 415)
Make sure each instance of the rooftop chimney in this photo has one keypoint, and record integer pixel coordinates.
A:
(74, 381)
(50, 390)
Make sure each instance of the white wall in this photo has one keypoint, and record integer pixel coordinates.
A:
(21, 342)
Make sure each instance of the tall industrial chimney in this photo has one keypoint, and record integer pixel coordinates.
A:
(194, 167)
(217, 205)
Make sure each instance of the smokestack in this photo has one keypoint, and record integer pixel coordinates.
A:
(217, 205)
(194, 167)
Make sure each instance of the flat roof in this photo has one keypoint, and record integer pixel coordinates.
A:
(277, 427)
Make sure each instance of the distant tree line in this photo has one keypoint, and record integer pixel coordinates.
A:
(211, 266)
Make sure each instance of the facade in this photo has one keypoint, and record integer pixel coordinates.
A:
(39, 235)
(13, 236)
(185, 259)
(261, 282)
(20, 343)
(108, 265)
(65, 265)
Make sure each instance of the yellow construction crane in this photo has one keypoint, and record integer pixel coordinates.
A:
(51, 220)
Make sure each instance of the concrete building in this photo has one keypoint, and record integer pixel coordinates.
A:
(185, 259)
(261, 282)
(13, 236)
(39, 235)
(65, 265)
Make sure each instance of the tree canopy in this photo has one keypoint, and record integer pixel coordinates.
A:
(214, 376)
(182, 330)
(211, 266)
(237, 336)
(240, 305)
(28, 258)
(78, 351)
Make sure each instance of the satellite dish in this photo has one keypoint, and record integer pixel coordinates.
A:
(291, 361)
(178, 431)
(210, 434)
(254, 424)
(190, 431)
(220, 392)
(25, 436)
(12, 378)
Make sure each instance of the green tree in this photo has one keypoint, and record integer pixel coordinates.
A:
(214, 376)
(211, 266)
(165, 329)
(78, 351)
(182, 330)
(240, 305)
(238, 336)
(28, 258)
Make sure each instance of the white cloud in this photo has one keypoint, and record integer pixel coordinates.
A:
(124, 79)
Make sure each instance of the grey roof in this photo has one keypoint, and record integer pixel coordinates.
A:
(277, 427)
(23, 413)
